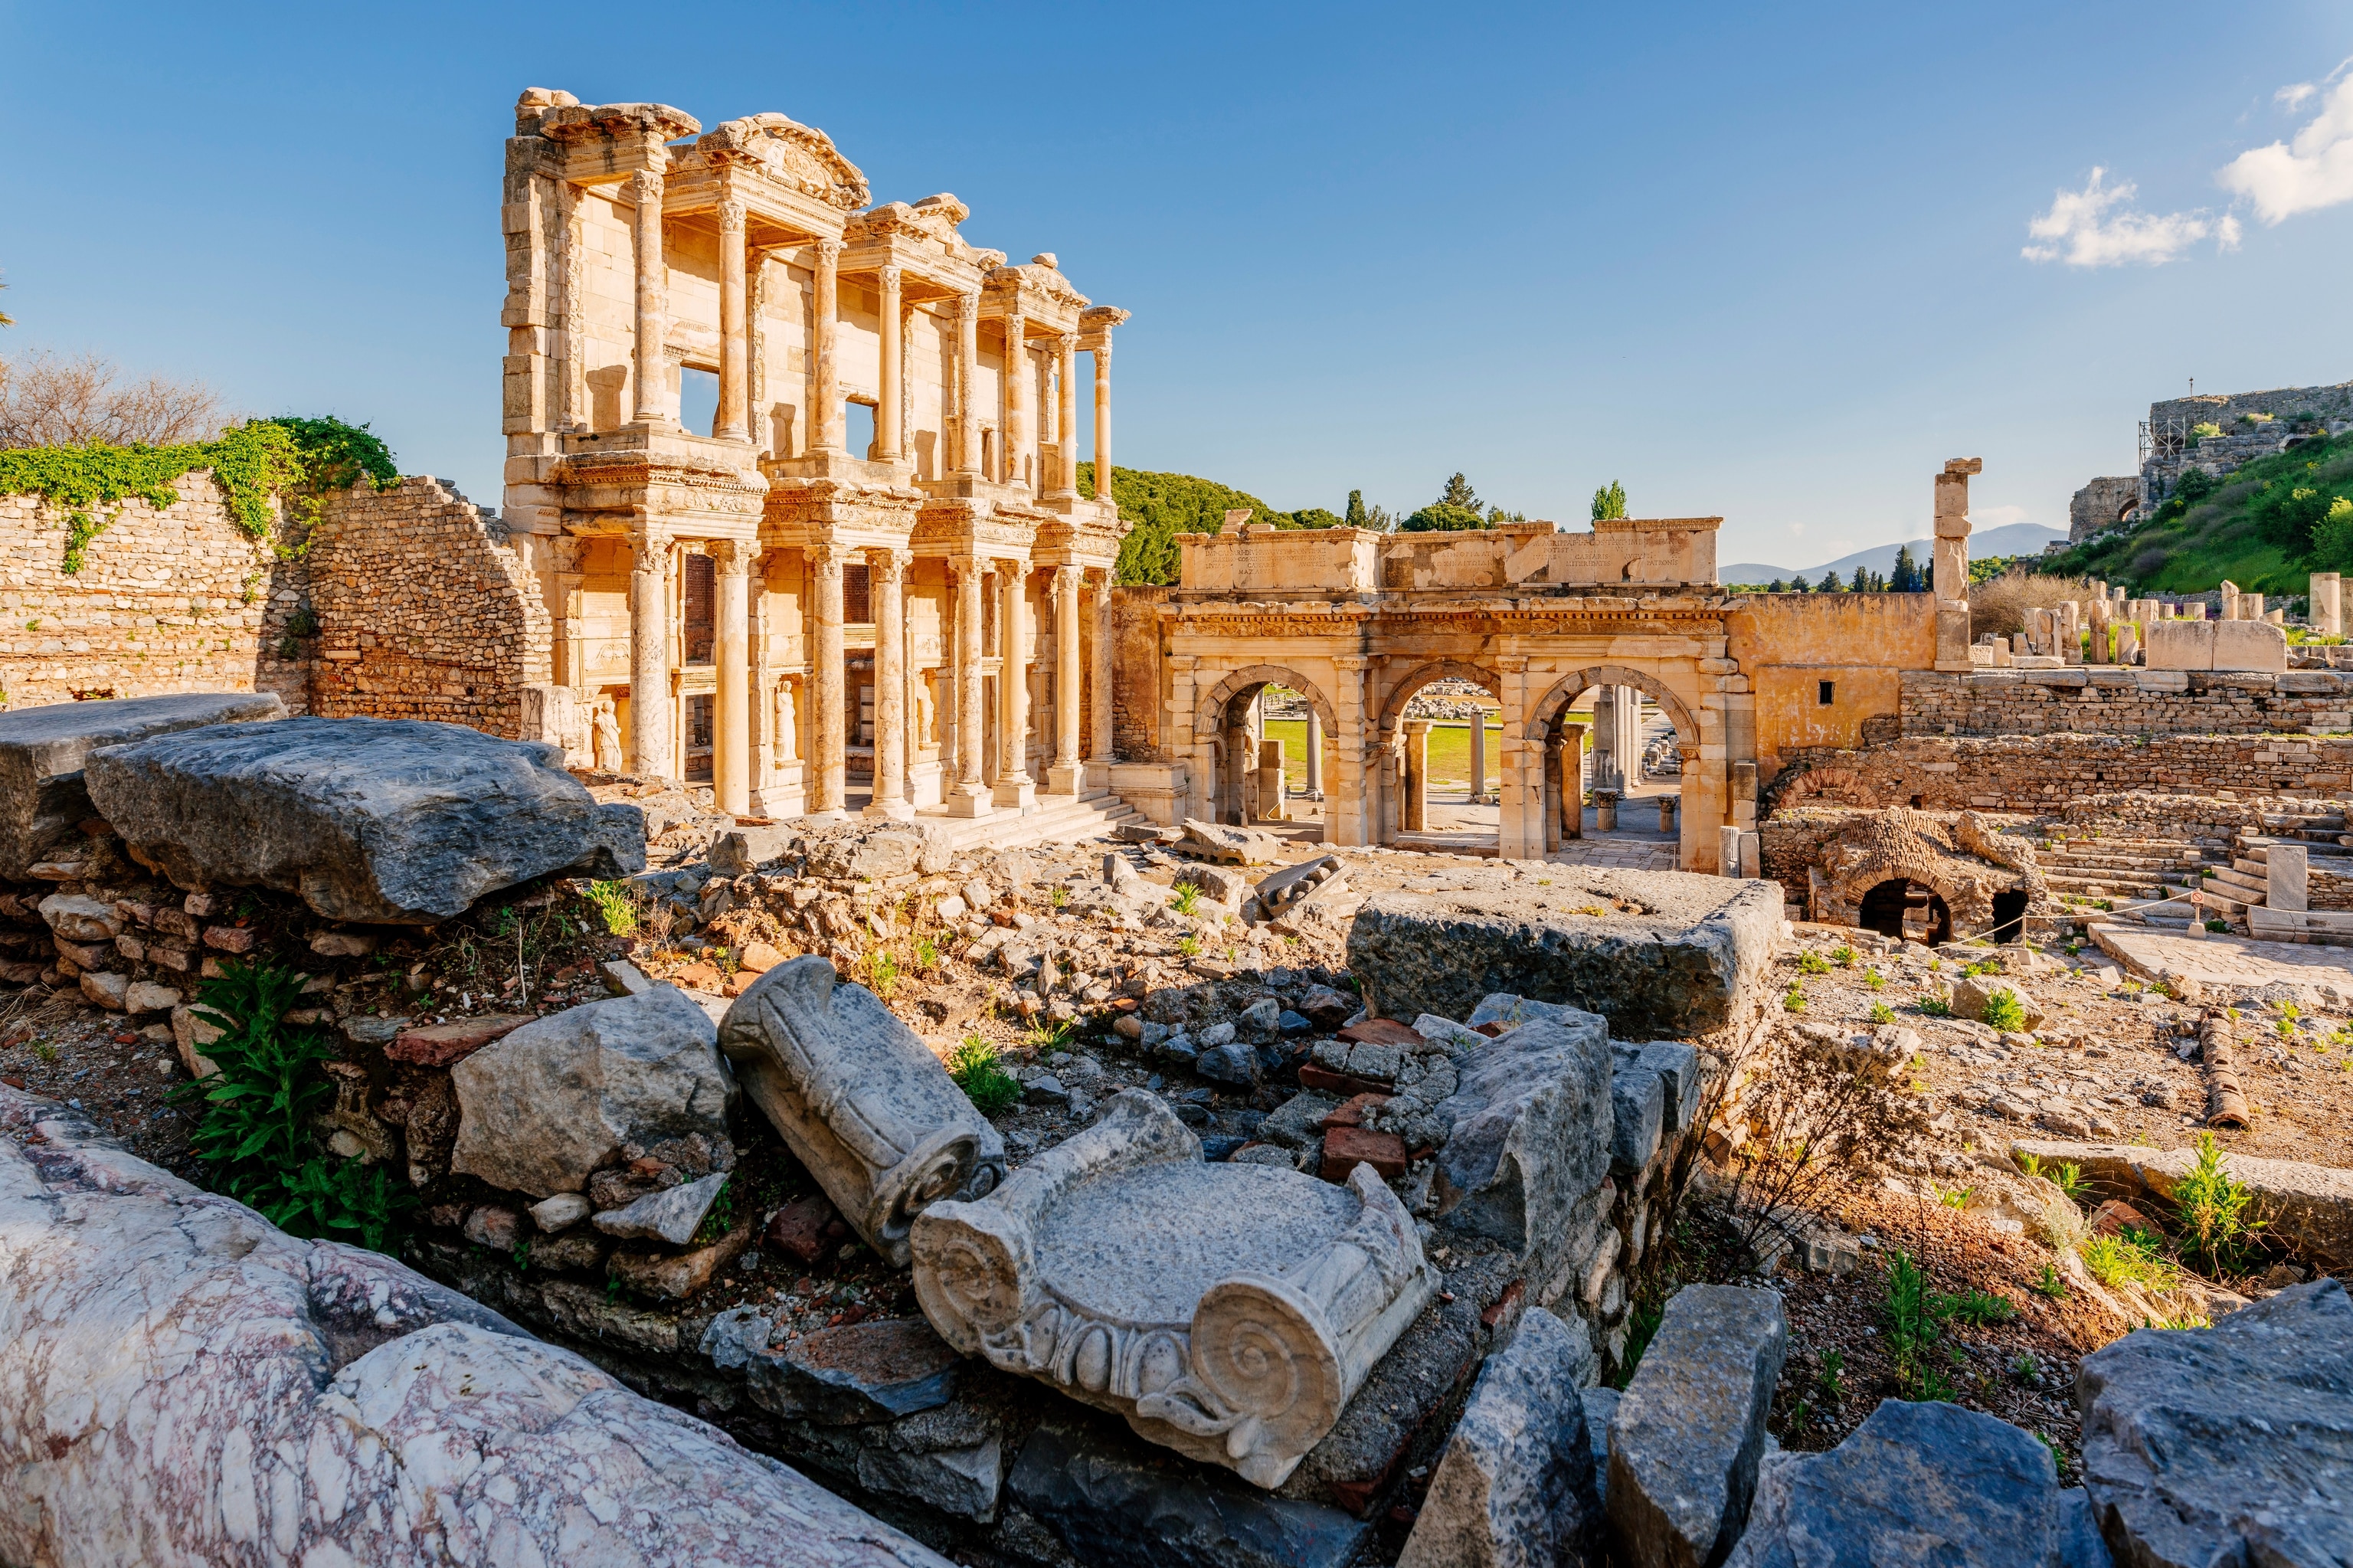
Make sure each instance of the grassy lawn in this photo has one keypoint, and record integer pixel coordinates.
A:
(1449, 752)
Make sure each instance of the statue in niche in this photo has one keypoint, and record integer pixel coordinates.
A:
(607, 737)
(789, 738)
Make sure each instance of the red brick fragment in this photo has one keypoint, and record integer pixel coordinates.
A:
(1345, 1148)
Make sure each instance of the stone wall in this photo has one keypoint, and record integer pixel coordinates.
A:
(2296, 411)
(424, 611)
(2042, 773)
(175, 599)
(1139, 682)
(2124, 702)
(2100, 504)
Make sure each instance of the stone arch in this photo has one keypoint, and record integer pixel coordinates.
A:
(1569, 687)
(1209, 712)
(1393, 706)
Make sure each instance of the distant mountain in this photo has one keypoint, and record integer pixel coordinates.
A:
(2010, 539)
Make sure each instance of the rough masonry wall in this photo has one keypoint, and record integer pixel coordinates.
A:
(2042, 773)
(169, 599)
(1860, 644)
(1139, 684)
(424, 612)
(2095, 700)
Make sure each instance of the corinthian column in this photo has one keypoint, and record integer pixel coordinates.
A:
(887, 408)
(1014, 787)
(1017, 396)
(825, 375)
(828, 738)
(967, 323)
(731, 425)
(1063, 778)
(575, 308)
(1103, 418)
(883, 569)
(651, 365)
(969, 796)
(1066, 418)
(731, 769)
(650, 655)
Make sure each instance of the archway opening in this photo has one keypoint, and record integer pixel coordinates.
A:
(1270, 741)
(1908, 912)
(1618, 749)
(1441, 741)
(2009, 915)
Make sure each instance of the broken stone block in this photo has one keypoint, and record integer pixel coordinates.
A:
(1638, 1104)
(1677, 964)
(674, 1277)
(861, 1099)
(1234, 846)
(560, 1212)
(1531, 1122)
(494, 1226)
(1228, 887)
(1112, 1501)
(673, 1216)
(109, 990)
(1293, 882)
(1690, 1427)
(440, 1045)
(542, 1106)
(2232, 1444)
(1229, 1311)
(1971, 992)
(1514, 1488)
(344, 943)
(42, 795)
(848, 1375)
(191, 1034)
(79, 919)
(144, 996)
(743, 850)
(1345, 1148)
(368, 820)
(1914, 1483)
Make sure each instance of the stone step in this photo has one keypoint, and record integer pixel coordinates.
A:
(1059, 819)
(2148, 863)
(2257, 881)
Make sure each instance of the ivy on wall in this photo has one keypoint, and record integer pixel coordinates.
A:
(248, 462)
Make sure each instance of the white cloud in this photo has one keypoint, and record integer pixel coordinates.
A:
(2314, 171)
(2098, 227)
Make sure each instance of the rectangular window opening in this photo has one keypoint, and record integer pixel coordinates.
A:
(857, 428)
(698, 400)
(1829, 693)
(857, 595)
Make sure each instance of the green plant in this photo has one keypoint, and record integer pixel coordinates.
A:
(1050, 1035)
(2004, 1011)
(1983, 1308)
(2069, 1180)
(928, 953)
(2210, 1205)
(1185, 898)
(1915, 1312)
(1873, 978)
(2051, 1284)
(1188, 946)
(1936, 1007)
(1813, 963)
(1957, 1197)
(1643, 1328)
(2128, 1257)
(1842, 956)
(615, 905)
(1058, 897)
(1830, 1379)
(2026, 1368)
(46, 1049)
(881, 972)
(975, 1067)
(719, 1219)
(254, 1117)
(1794, 1000)
(1882, 1013)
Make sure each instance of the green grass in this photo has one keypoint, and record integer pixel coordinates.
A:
(2129, 1257)
(974, 1068)
(1449, 752)
(2245, 531)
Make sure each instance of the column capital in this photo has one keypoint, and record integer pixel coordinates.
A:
(645, 185)
(732, 214)
(1356, 664)
(887, 561)
(1101, 580)
(733, 557)
(968, 566)
(828, 252)
(1069, 576)
(965, 307)
(828, 558)
(889, 278)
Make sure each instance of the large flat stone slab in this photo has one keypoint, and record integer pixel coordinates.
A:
(860, 1099)
(2322, 978)
(2309, 1207)
(1689, 1428)
(1514, 1488)
(1919, 1484)
(181, 1382)
(1531, 1121)
(42, 793)
(372, 820)
(1229, 1311)
(2232, 1444)
(1659, 954)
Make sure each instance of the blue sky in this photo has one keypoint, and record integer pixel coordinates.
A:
(1766, 262)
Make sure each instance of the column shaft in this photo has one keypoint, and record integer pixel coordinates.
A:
(887, 411)
(1103, 419)
(829, 763)
(969, 798)
(1066, 416)
(1478, 751)
(650, 365)
(884, 569)
(1069, 673)
(1415, 815)
(649, 657)
(1315, 757)
(1015, 788)
(1099, 740)
(734, 363)
(1017, 397)
(967, 323)
(731, 763)
(825, 370)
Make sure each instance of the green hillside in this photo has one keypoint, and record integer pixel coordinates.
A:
(2265, 527)
(1162, 505)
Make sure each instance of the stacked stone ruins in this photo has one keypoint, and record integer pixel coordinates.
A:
(863, 1054)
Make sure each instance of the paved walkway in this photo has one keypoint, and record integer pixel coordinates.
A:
(2233, 964)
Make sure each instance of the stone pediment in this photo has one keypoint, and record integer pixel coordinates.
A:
(577, 122)
(794, 154)
(932, 220)
(1039, 279)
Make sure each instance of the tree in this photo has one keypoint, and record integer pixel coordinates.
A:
(1440, 517)
(1861, 583)
(46, 401)
(1609, 501)
(1357, 514)
(1799, 585)
(1315, 517)
(1777, 586)
(1458, 492)
(1829, 584)
(1497, 517)
(1905, 578)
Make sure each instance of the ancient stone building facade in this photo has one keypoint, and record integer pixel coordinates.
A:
(769, 604)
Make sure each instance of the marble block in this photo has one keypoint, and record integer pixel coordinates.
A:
(860, 1099)
(1228, 1311)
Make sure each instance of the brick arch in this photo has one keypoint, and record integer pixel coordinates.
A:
(1209, 712)
(1569, 687)
(1393, 708)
